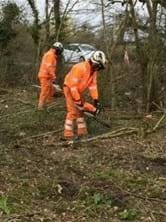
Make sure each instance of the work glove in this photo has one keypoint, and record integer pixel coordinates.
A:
(56, 86)
(97, 105)
(97, 111)
(79, 105)
(92, 113)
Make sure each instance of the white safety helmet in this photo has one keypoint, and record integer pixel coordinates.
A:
(58, 46)
(99, 58)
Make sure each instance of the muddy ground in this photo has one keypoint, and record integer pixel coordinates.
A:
(105, 180)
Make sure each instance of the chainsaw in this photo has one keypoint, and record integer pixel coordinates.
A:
(102, 122)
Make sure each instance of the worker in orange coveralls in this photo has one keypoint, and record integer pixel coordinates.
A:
(47, 75)
(82, 76)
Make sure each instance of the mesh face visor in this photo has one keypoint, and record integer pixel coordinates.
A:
(98, 66)
(101, 66)
(59, 50)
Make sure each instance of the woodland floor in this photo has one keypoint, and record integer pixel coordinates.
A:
(106, 180)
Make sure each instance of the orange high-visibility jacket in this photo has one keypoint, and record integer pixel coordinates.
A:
(80, 78)
(48, 65)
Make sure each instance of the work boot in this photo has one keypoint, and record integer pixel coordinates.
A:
(83, 136)
(66, 138)
(76, 138)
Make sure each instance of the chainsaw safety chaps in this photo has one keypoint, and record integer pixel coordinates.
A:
(47, 92)
(74, 115)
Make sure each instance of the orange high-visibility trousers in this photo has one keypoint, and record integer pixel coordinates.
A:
(74, 116)
(47, 92)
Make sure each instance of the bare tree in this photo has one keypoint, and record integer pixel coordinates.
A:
(36, 26)
(148, 54)
(110, 46)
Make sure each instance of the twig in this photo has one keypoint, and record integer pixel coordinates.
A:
(139, 196)
(158, 107)
(36, 86)
(159, 122)
(3, 130)
(55, 105)
(145, 197)
(24, 102)
(2, 90)
(160, 213)
(2, 101)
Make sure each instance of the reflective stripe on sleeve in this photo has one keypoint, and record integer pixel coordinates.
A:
(74, 88)
(92, 87)
(74, 79)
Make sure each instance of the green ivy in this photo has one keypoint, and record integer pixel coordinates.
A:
(128, 214)
(3, 204)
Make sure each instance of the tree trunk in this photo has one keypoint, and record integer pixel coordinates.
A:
(47, 23)
(152, 68)
(57, 16)
(148, 56)
(36, 31)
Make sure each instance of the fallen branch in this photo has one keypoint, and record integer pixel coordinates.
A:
(45, 134)
(115, 133)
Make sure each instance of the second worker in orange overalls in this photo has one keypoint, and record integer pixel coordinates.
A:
(82, 76)
(47, 74)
